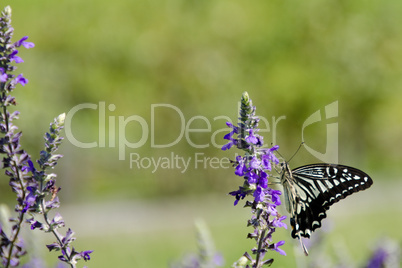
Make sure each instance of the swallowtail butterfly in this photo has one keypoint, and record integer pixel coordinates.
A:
(310, 190)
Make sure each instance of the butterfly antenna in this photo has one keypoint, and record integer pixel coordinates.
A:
(296, 150)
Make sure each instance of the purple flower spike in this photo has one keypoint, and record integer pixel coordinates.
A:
(35, 189)
(254, 167)
(15, 160)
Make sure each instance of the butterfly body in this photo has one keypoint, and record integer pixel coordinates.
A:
(310, 190)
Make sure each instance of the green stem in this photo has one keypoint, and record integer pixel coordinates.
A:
(11, 154)
(55, 233)
(258, 260)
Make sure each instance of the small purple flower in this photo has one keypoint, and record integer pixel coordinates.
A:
(13, 57)
(30, 199)
(241, 168)
(275, 196)
(227, 146)
(66, 252)
(53, 246)
(85, 254)
(58, 222)
(269, 157)
(3, 75)
(263, 180)
(259, 195)
(239, 194)
(229, 137)
(378, 259)
(266, 163)
(271, 209)
(252, 177)
(53, 203)
(35, 225)
(22, 80)
(28, 168)
(69, 237)
(23, 43)
(276, 247)
(277, 222)
(234, 130)
(251, 138)
(255, 163)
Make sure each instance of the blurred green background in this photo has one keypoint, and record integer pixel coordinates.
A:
(293, 57)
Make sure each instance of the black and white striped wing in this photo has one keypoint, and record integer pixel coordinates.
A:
(317, 187)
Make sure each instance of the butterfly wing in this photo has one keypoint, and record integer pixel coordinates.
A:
(317, 187)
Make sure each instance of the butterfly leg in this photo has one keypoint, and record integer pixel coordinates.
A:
(273, 183)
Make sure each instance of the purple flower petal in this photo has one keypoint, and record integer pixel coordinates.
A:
(277, 222)
(263, 180)
(277, 245)
(3, 76)
(259, 195)
(252, 177)
(227, 146)
(275, 196)
(240, 169)
(251, 138)
(255, 163)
